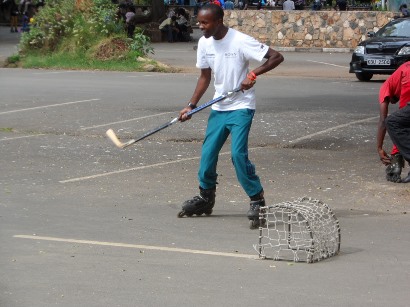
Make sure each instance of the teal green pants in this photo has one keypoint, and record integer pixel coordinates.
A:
(220, 124)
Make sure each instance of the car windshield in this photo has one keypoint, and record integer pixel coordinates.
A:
(397, 28)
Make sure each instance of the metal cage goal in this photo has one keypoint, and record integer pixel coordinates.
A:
(304, 230)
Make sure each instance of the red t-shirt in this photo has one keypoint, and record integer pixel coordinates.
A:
(397, 85)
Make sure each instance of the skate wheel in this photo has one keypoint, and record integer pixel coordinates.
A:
(253, 224)
(189, 214)
(181, 214)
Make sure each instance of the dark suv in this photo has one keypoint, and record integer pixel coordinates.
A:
(383, 52)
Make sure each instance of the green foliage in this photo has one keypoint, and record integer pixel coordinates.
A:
(35, 39)
(141, 43)
(52, 23)
(63, 29)
(15, 58)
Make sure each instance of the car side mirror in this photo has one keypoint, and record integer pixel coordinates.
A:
(370, 34)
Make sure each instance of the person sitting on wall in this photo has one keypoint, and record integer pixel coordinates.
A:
(168, 26)
(229, 5)
(317, 5)
(404, 11)
(341, 5)
(288, 5)
(183, 25)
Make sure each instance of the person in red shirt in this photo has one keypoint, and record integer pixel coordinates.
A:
(395, 88)
(398, 123)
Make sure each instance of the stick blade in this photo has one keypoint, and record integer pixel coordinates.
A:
(112, 136)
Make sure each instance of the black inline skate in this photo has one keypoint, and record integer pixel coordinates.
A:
(199, 204)
(393, 170)
(253, 213)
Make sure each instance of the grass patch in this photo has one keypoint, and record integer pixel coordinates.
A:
(78, 61)
(83, 62)
(6, 129)
(14, 59)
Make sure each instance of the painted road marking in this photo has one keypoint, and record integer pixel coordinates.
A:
(332, 128)
(124, 121)
(49, 106)
(127, 170)
(223, 153)
(138, 246)
(21, 137)
(330, 64)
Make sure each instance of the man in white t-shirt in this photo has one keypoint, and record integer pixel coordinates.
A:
(226, 53)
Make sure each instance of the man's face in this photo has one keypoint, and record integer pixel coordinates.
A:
(208, 24)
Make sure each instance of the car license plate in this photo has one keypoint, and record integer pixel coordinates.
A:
(378, 62)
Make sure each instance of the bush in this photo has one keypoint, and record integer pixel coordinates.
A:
(61, 26)
(141, 43)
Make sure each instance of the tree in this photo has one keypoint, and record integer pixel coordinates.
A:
(158, 9)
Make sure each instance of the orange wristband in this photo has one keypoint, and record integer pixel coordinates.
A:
(251, 76)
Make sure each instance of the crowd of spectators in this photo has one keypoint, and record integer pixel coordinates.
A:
(132, 15)
(176, 25)
(316, 5)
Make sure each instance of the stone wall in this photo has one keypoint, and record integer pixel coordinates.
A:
(308, 29)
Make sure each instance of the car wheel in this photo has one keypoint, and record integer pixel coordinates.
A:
(364, 76)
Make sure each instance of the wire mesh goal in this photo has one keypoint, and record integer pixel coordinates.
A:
(304, 230)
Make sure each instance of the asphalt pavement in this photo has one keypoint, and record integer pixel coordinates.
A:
(8, 43)
(83, 223)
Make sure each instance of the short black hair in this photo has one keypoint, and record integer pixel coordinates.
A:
(215, 9)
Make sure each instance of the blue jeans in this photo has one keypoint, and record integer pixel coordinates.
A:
(220, 124)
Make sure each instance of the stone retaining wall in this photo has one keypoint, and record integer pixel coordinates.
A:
(308, 29)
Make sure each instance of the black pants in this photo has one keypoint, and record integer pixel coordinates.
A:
(130, 30)
(398, 126)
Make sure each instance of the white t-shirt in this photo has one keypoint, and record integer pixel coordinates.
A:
(229, 60)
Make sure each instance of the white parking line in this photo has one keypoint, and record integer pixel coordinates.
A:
(309, 136)
(124, 121)
(137, 246)
(330, 64)
(48, 106)
(223, 153)
(21, 137)
(127, 170)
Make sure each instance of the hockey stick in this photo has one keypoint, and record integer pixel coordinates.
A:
(113, 137)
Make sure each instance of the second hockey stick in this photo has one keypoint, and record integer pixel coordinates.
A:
(113, 137)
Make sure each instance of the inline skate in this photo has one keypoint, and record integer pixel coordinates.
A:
(393, 170)
(254, 210)
(198, 205)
